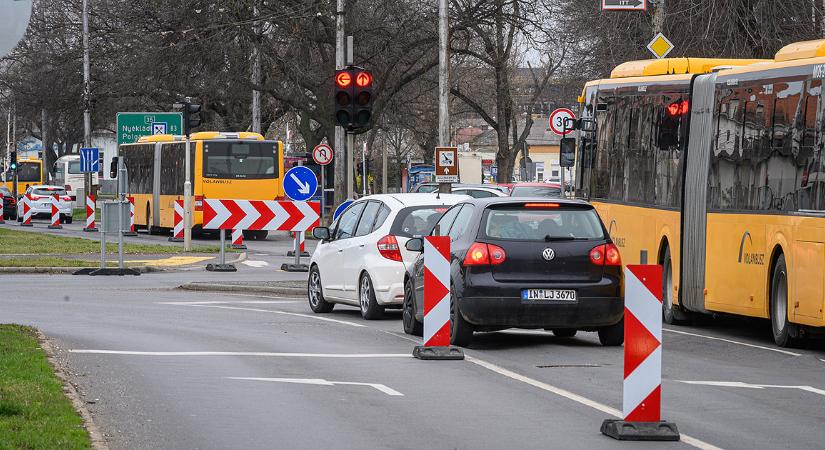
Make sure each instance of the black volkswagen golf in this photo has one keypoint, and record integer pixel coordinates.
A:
(525, 263)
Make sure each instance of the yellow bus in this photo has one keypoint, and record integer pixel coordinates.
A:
(714, 169)
(224, 166)
(29, 172)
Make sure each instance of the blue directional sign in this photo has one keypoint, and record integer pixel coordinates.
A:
(89, 160)
(344, 205)
(300, 183)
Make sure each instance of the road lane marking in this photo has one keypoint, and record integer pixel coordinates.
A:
(576, 398)
(320, 382)
(231, 302)
(213, 353)
(714, 338)
(255, 264)
(739, 384)
(172, 261)
(287, 313)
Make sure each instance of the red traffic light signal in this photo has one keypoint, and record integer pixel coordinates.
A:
(363, 79)
(353, 99)
(343, 79)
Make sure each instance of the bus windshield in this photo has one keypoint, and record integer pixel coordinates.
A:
(240, 160)
(28, 171)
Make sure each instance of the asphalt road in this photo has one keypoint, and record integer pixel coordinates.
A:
(276, 379)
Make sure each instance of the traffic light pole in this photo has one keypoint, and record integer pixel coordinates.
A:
(350, 136)
(187, 203)
(87, 114)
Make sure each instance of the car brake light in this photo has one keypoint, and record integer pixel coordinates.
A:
(68, 187)
(481, 254)
(388, 248)
(605, 255)
(66, 198)
(199, 203)
(35, 197)
(541, 205)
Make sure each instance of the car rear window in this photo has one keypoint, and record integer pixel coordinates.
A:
(542, 224)
(417, 220)
(536, 191)
(49, 191)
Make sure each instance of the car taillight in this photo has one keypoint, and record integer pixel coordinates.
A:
(68, 187)
(35, 197)
(66, 198)
(541, 205)
(605, 255)
(388, 248)
(481, 254)
(199, 203)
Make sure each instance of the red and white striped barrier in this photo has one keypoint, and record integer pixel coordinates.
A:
(437, 301)
(237, 239)
(55, 225)
(642, 389)
(131, 231)
(2, 220)
(300, 237)
(177, 232)
(90, 213)
(260, 215)
(27, 211)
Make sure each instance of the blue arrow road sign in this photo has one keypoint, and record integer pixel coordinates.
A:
(89, 160)
(344, 205)
(300, 183)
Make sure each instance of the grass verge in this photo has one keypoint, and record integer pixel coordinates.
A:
(34, 413)
(51, 261)
(13, 242)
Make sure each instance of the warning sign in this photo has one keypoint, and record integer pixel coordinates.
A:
(446, 165)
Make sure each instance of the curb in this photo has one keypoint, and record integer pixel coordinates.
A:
(216, 287)
(98, 441)
(69, 270)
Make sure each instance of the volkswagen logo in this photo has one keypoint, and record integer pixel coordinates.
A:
(548, 254)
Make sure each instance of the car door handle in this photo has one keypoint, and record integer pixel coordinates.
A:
(341, 251)
(361, 246)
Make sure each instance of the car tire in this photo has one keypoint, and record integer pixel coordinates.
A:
(783, 331)
(672, 314)
(411, 325)
(461, 332)
(613, 335)
(564, 332)
(315, 292)
(370, 309)
(69, 219)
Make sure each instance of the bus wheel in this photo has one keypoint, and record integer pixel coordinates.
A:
(150, 229)
(783, 331)
(672, 314)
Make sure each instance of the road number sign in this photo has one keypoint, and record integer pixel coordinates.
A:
(322, 154)
(558, 118)
(300, 183)
(446, 165)
(624, 5)
(89, 160)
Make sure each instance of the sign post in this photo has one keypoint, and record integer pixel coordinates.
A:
(322, 154)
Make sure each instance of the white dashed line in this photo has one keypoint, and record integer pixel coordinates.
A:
(745, 344)
(317, 381)
(272, 354)
(274, 311)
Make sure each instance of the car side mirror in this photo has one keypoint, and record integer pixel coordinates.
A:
(321, 233)
(415, 245)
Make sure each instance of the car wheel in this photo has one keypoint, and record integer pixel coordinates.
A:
(671, 314)
(564, 332)
(461, 332)
(782, 329)
(315, 292)
(612, 336)
(370, 309)
(411, 326)
(69, 219)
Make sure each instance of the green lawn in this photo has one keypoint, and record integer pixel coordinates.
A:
(51, 261)
(34, 413)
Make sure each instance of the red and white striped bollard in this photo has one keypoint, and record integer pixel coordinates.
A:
(55, 225)
(642, 389)
(237, 239)
(131, 231)
(177, 232)
(2, 220)
(91, 205)
(27, 211)
(437, 302)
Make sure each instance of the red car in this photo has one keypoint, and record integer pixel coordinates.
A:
(552, 190)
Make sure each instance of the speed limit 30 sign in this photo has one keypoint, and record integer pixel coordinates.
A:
(558, 118)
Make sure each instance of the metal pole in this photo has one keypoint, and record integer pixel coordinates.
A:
(658, 16)
(340, 162)
(364, 169)
(350, 136)
(256, 77)
(44, 139)
(8, 143)
(323, 193)
(384, 169)
(102, 239)
(297, 245)
(121, 176)
(443, 81)
(87, 92)
(187, 203)
(223, 247)
(14, 145)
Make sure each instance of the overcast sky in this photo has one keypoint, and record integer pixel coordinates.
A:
(14, 17)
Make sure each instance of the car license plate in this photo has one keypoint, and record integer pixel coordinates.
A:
(549, 294)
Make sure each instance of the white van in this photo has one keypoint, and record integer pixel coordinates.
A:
(67, 173)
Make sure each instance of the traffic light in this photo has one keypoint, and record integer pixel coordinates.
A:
(353, 99)
(13, 163)
(191, 115)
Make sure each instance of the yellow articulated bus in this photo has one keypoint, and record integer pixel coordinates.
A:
(714, 169)
(29, 173)
(240, 166)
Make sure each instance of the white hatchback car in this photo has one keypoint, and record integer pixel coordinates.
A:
(361, 259)
(41, 202)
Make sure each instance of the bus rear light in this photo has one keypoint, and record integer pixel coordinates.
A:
(388, 248)
(199, 203)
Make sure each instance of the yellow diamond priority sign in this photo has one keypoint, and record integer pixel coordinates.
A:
(660, 46)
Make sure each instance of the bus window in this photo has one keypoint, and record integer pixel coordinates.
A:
(28, 171)
(240, 160)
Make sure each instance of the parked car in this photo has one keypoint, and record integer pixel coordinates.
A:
(41, 202)
(432, 187)
(551, 190)
(361, 259)
(478, 192)
(9, 204)
(525, 263)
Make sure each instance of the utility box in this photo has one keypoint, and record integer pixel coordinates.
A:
(109, 217)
